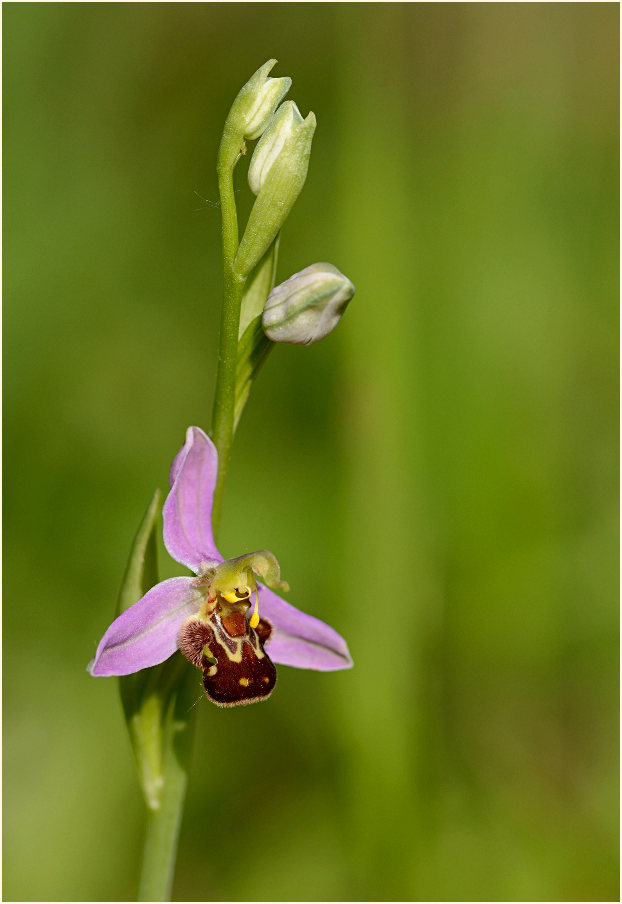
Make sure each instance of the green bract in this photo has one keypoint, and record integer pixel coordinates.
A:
(271, 143)
(282, 184)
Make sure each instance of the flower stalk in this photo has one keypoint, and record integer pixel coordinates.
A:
(157, 704)
(164, 820)
(233, 288)
(250, 115)
(226, 619)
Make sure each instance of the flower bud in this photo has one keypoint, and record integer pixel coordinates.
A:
(267, 94)
(256, 102)
(282, 126)
(307, 306)
(281, 169)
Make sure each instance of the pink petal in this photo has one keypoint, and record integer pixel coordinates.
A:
(299, 639)
(146, 633)
(187, 512)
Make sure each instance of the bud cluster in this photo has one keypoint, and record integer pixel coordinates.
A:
(307, 306)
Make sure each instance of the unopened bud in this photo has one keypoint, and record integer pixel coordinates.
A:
(263, 97)
(282, 175)
(252, 109)
(307, 306)
(282, 127)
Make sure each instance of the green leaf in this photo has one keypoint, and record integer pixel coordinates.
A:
(157, 702)
(258, 287)
(141, 572)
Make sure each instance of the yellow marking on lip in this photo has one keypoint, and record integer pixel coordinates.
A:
(244, 682)
(254, 620)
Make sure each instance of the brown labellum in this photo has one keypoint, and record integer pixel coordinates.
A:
(236, 668)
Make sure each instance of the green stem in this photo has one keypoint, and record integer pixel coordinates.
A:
(164, 817)
(160, 851)
(224, 397)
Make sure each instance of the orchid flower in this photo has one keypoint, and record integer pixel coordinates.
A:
(208, 617)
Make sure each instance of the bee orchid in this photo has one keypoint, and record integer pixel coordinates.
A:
(226, 620)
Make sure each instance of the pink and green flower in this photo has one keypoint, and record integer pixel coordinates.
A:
(225, 619)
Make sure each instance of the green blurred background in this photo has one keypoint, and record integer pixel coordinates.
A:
(438, 478)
